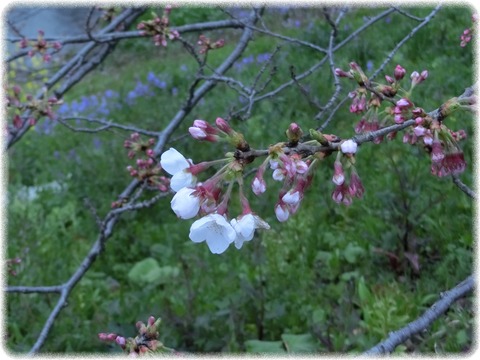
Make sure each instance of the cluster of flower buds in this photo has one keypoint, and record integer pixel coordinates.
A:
(447, 158)
(345, 190)
(441, 142)
(19, 104)
(467, 34)
(158, 28)
(206, 44)
(11, 263)
(146, 342)
(41, 46)
(146, 168)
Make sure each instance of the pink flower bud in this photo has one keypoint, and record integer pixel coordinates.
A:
(151, 321)
(197, 133)
(437, 151)
(399, 119)
(389, 79)
(403, 103)
(399, 72)
(258, 185)
(291, 197)
(120, 340)
(419, 131)
(338, 175)
(281, 212)
(341, 73)
(223, 125)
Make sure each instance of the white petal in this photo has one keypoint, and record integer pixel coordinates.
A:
(218, 243)
(184, 204)
(172, 161)
(198, 230)
(182, 179)
(247, 227)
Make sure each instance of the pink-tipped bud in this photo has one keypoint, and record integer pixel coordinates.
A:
(294, 132)
(399, 119)
(338, 174)
(419, 131)
(150, 152)
(419, 120)
(339, 72)
(120, 340)
(389, 79)
(404, 103)
(197, 133)
(135, 136)
(223, 125)
(437, 151)
(258, 185)
(151, 321)
(281, 212)
(399, 72)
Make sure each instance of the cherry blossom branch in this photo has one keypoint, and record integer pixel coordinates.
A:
(82, 67)
(423, 322)
(110, 220)
(123, 35)
(305, 149)
(389, 57)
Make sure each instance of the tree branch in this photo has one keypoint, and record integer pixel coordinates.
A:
(433, 313)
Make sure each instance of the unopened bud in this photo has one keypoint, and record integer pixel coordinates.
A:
(223, 126)
(294, 133)
(399, 72)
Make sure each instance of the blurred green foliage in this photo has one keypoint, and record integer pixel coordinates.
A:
(331, 279)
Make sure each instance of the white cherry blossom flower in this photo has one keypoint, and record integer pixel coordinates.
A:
(245, 228)
(177, 165)
(184, 204)
(215, 230)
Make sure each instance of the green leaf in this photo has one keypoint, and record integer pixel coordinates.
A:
(352, 252)
(363, 292)
(303, 343)
(257, 346)
(148, 271)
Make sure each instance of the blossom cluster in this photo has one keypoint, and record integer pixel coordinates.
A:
(145, 168)
(146, 342)
(206, 44)
(441, 142)
(293, 162)
(467, 34)
(41, 46)
(158, 28)
(207, 198)
(210, 199)
(32, 109)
